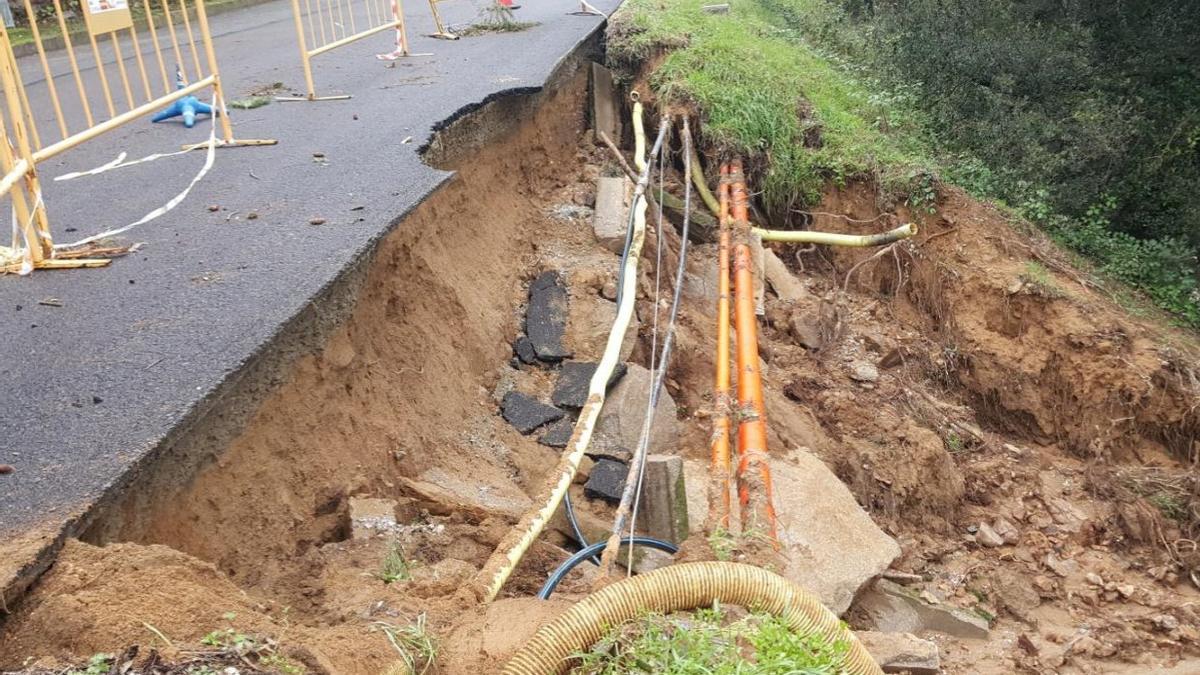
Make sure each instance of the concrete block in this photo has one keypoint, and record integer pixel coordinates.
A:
(664, 505)
(895, 609)
(609, 221)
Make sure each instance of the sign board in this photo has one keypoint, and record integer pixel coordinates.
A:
(106, 16)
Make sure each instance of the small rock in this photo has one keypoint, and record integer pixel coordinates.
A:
(782, 281)
(861, 371)
(546, 317)
(988, 537)
(1126, 590)
(574, 380)
(213, 208)
(1094, 579)
(526, 413)
(523, 348)
(606, 481)
(609, 291)
(901, 652)
(1007, 531)
(6, 469)
(1063, 568)
(589, 322)
(316, 221)
(1165, 622)
(1013, 592)
(805, 329)
(895, 609)
(558, 434)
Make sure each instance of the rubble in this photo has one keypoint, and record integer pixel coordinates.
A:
(896, 609)
(901, 652)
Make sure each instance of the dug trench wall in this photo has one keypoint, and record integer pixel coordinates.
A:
(374, 389)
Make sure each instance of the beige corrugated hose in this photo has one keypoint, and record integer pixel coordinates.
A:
(679, 588)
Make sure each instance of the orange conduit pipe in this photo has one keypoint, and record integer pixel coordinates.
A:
(753, 473)
(718, 500)
(684, 587)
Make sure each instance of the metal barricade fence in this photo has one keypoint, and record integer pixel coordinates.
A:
(85, 102)
(325, 25)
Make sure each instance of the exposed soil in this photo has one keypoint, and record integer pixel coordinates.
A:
(1001, 389)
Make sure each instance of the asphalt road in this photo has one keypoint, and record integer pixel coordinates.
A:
(93, 385)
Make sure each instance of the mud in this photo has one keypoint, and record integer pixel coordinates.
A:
(968, 377)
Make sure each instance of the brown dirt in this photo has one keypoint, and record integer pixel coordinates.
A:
(1005, 389)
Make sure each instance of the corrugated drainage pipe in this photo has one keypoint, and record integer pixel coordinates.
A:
(679, 588)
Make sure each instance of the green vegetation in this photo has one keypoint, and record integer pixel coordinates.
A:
(416, 646)
(99, 664)
(48, 21)
(1083, 117)
(710, 642)
(395, 566)
(769, 97)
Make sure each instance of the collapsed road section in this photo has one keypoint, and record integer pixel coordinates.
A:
(911, 424)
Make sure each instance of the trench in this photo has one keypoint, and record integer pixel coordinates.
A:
(385, 391)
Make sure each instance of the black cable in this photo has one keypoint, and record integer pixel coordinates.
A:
(583, 542)
(572, 562)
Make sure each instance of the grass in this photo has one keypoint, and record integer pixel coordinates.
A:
(395, 566)
(416, 646)
(767, 94)
(710, 641)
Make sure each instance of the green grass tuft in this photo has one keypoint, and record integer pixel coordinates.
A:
(710, 641)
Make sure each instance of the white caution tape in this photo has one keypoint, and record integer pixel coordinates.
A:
(209, 158)
(10, 255)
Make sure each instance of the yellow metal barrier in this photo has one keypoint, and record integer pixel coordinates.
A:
(325, 25)
(84, 102)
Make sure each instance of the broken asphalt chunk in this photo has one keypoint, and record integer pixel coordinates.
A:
(606, 481)
(546, 317)
(571, 391)
(526, 413)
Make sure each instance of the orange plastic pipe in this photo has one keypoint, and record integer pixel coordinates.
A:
(753, 473)
(719, 505)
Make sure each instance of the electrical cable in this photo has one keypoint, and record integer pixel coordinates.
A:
(573, 562)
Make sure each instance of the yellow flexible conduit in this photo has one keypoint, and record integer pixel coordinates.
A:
(834, 239)
(679, 588)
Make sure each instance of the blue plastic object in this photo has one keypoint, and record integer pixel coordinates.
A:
(187, 107)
